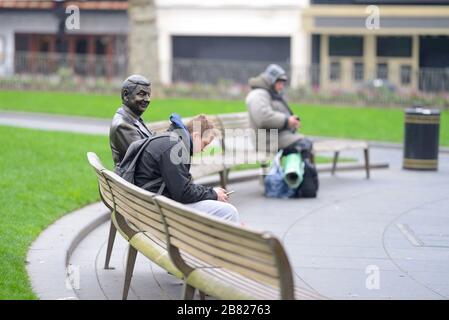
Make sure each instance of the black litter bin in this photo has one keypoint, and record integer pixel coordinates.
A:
(421, 138)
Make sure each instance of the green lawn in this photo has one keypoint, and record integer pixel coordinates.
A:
(346, 122)
(43, 175)
(104, 106)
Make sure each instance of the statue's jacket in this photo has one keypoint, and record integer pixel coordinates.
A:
(126, 128)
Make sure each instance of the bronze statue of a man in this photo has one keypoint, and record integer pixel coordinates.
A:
(127, 125)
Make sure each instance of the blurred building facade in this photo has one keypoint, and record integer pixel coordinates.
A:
(409, 48)
(233, 32)
(34, 38)
(323, 44)
(230, 37)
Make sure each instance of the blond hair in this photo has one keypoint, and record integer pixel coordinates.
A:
(201, 124)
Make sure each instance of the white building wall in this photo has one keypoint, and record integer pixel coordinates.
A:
(279, 18)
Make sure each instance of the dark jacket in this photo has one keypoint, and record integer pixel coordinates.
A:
(126, 128)
(157, 161)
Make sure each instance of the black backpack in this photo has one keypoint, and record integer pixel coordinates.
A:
(127, 167)
(309, 186)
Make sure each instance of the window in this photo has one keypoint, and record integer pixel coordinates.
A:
(406, 74)
(21, 42)
(101, 45)
(394, 46)
(335, 71)
(345, 46)
(358, 71)
(81, 46)
(43, 43)
(382, 71)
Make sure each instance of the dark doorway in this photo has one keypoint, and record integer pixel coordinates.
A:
(434, 63)
(212, 59)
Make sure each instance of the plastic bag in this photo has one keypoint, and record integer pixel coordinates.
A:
(275, 185)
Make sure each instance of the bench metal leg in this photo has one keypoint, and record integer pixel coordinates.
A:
(367, 168)
(202, 295)
(223, 179)
(334, 162)
(265, 167)
(189, 292)
(112, 232)
(129, 270)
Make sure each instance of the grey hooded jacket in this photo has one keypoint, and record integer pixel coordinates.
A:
(267, 112)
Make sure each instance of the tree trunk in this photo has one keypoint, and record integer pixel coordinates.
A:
(142, 40)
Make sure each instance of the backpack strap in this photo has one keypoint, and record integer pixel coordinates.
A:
(152, 182)
(161, 188)
(125, 170)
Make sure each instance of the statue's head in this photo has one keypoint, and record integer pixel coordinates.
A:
(136, 93)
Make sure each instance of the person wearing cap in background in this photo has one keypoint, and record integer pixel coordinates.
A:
(127, 125)
(268, 110)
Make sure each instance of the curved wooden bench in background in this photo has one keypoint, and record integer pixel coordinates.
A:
(217, 258)
(240, 120)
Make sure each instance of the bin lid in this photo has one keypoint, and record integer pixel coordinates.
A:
(422, 111)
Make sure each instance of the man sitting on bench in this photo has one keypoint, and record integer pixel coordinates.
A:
(165, 163)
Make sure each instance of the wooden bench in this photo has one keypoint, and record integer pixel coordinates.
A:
(241, 121)
(217, 258)
(336, 146)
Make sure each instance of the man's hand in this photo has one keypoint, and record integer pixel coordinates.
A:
(221, 194)
(293, 122)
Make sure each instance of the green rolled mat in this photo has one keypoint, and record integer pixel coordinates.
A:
(293, 167)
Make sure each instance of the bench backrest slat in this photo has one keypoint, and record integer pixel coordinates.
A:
(143, 221)
(136, 222)
(214, 252)
(205, 223)
(222, 235)
(234, 120)
(141, 207)
(217, 262)
(186, 228)
(98, 167)
(223, 244)
(135, 205)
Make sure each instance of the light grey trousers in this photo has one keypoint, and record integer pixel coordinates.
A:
(218, 209)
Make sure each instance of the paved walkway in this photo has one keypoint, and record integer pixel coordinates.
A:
(395, 225)
(51, 122)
